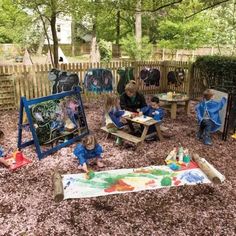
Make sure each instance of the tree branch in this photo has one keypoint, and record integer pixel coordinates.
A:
(206, 8)
(144, 10)
(164, 6)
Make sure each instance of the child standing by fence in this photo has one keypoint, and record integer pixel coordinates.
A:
(208, 116)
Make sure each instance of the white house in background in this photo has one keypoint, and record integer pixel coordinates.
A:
(63, 27)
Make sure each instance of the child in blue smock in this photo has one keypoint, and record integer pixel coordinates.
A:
(89, 149)
(208, 116)
(113, 114)
(153, 110)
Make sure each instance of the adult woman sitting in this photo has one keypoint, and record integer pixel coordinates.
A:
(131, 99)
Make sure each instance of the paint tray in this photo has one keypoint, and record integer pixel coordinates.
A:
(16, 160)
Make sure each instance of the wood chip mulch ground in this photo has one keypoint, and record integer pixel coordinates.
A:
(26, 195)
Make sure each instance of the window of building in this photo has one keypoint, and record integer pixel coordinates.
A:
(58, 28)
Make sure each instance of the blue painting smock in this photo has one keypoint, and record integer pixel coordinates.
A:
(156, 114)
(84, 154)
(114, 116)
(210, 110)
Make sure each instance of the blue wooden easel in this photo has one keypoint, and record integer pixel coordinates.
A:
(25, 105)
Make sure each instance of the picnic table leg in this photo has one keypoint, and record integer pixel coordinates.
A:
(187, 107)
(144, 134)
(159, 134)
(173, 110)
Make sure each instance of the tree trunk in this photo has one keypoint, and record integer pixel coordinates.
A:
(45, 28)
(94, 53)
(42, 38)
(138, 24)
(41, 43)
(73, 36)
(118, 32)
(55, 39)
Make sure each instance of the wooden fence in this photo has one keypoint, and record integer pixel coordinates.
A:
(32, 81)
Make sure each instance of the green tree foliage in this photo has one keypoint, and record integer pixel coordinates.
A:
(14, 22)
(177, 32)
(217, 71)
(224, 26)
(49, 11)
(105, 50)
(132, 49)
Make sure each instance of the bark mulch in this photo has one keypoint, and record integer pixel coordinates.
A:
(26, 196)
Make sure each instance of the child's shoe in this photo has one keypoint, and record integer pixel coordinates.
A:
(207, 141)
(100, 164)
(199, 135)
(118, 141)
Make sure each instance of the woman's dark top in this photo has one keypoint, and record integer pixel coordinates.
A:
(132, 104)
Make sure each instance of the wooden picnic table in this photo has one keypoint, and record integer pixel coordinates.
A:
(146, 122)
(173, 103)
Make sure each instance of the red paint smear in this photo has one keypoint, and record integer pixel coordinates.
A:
(119, 186)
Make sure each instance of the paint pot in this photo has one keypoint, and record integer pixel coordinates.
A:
(174, 166)
(186, 159)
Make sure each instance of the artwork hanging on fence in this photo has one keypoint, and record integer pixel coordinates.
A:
(129, 180)
(176, 77)
(55, 121)
(150, 76)
(98, 80)
(126, 74)
(62, 80)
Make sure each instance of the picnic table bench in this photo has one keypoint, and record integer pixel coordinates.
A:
(146, 122)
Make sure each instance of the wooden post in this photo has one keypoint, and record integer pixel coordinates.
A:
(57, 187)
(173, 110)
(214, 175)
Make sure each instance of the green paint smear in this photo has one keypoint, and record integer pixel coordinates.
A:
(106, 180)
(166, 181)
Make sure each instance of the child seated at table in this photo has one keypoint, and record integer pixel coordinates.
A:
(153, 110)
(208, 116)
(89, 149)
(113, 114)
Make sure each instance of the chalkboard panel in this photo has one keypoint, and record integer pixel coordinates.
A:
(55, 121)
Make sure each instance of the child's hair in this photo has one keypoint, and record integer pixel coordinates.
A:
(131, 87)
(155, 99)
(208, 94)
(110, 102)
(89, 140)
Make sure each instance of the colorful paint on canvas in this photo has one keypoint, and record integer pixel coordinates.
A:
(129, 180)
